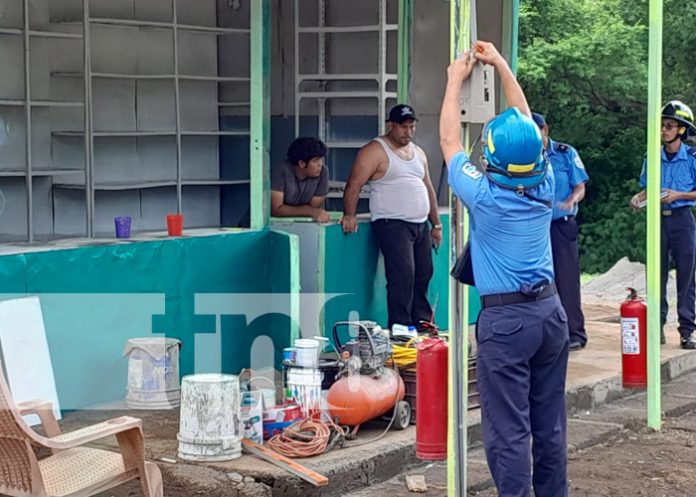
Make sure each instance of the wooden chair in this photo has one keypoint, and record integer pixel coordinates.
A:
(71, 469)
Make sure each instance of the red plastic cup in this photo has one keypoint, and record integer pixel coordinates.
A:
(175, 224)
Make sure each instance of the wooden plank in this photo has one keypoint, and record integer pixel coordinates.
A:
(283, 462)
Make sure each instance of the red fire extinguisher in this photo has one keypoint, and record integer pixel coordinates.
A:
(431, 400)
(634, 358)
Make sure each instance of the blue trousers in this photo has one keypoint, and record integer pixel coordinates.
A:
(521, 371)
(678, 239)
(566, 267)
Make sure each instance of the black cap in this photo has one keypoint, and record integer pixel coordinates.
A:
(539, 119)
(401, 113)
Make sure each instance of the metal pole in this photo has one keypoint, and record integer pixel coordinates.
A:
(653, 212)
(177, 108)
(382, 69)
(404, 49)
(260, 122)
(460, 18)
(27, 112)
(321, 102)
(89, 131)
(297, 68)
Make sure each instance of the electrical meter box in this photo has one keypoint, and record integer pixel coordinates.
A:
(477, 99)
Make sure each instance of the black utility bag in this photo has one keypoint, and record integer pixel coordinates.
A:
(463, 270)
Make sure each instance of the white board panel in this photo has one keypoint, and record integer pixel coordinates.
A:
(25, 353)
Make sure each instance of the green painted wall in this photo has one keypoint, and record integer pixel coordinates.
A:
(95, 298)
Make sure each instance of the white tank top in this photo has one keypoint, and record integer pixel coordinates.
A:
(401, 192)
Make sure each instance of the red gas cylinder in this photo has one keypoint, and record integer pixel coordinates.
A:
(431, 400)
(634, 363)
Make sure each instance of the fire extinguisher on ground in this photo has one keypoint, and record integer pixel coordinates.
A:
(431, 399)
(634, 333)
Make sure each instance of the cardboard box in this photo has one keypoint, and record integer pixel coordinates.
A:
(252, 416)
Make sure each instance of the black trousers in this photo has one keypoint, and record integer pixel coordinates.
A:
(678, 241)
(408, 265)
(566, 267)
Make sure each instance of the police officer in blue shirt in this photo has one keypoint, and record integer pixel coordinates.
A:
(678, 229)
(570, 175)
(522, 330)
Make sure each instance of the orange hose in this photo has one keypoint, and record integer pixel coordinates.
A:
(305, 438)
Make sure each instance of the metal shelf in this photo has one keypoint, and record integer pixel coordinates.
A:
(233, 79)
(144, 185)
(346, 144)
(54, 103)
(234, 104)
(40, 103)
(11, 31)
(375, 28)
(381, 27)
(345, 77)
(183, 77)
(215, 133)
(18, 173)
(345, 94)
(55, 34)
(158, 24)
(214, 182)
(118, 186)
(106, 75)
(13, 174)
(56, 172)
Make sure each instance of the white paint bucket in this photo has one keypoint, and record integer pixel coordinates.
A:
(210, 416)
(153, 373)
(307, 352)
(304, 387)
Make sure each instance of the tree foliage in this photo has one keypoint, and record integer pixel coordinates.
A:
(584, 64)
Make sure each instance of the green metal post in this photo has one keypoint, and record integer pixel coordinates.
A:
(260, 119)
(404, 62)
(653, 208)
(458, 303)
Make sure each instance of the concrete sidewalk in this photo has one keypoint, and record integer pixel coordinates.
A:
(593, 381)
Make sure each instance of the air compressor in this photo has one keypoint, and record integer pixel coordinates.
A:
(634, 340)
(365, 389)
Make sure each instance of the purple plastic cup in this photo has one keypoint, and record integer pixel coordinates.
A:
(123, 226)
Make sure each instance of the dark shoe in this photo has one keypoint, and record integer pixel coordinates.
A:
(688, 342)
(576, 346)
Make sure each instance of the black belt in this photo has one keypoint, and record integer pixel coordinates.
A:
(517, 297)
(563, 219)
(670, 212)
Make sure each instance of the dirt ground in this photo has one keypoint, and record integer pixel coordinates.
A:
(638, 463)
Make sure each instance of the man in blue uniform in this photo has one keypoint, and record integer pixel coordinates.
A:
(522, 330)
(678, 229)
(570, 175)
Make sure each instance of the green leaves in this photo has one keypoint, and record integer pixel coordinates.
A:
(583, 63)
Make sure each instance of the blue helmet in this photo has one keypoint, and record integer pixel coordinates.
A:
(513, 151)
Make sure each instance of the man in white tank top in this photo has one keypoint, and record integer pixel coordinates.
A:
(402, 201)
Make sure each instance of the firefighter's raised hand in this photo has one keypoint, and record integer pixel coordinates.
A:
(487, 53)
(460, 69)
